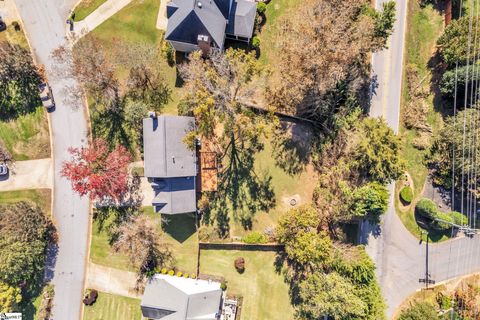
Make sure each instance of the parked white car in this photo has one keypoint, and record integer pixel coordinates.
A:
(3, 169)
(46, 96)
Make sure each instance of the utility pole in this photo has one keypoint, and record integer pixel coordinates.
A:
(426, 279)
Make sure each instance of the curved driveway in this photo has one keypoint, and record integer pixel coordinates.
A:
(44, 23)
(399, 256)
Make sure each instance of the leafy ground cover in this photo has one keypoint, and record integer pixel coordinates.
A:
(425, 25)
(27, 137)
(180, 233)
(113, 307)
(84, 8)
(265, 294)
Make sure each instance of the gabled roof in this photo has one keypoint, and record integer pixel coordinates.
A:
(176, 298)
(175, 195)
(165, 153)
(242, 18)
(194, 18)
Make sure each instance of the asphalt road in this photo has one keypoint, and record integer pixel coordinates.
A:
(400, 257)
(44, 23)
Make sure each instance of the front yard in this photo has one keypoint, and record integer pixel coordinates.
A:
(42, 197)
(113, 307)
(265, 294)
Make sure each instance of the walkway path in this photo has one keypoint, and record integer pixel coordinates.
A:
(99, 16)
(31, 174)
(44, 23)
(162, 20)
(111, 280)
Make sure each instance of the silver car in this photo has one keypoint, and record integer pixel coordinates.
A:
(46, 96)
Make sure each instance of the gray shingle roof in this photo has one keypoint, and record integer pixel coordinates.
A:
(242, 18)
(191, 20)
(174, 298)
(175, 195)
(165, 153)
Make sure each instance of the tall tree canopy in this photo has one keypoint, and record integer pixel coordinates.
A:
(315, 60)
(453, 137)
(19, 80)
(25, 232)
(98, 172)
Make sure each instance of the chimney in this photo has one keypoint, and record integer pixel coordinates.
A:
(199, 4)
(152, 114)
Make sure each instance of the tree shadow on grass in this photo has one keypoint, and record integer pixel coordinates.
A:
(291, 147)
(180, 227)
(110, 126)
(242, 192)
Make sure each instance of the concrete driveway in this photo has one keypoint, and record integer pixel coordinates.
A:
(31, 174)
(44, 23)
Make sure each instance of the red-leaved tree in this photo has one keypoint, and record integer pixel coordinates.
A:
(96, 171)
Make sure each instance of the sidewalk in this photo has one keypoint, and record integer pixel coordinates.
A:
(111, 280)
(162, 16)
(99, 16)
(31, 174)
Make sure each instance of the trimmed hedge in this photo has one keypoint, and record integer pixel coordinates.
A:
(458, 218)
(406, 194)
(426, 208)
(255, 237)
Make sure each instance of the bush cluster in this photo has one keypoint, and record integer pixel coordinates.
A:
(406, 194)
(255, 237)
(428, 209)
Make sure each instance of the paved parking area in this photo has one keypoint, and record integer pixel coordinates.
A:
(31, 174)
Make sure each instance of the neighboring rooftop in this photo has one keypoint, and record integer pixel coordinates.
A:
(165, 153)
(175, 298)
(193, 21)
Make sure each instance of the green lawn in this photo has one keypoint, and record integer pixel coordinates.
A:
(425, 25)
(265, 294)
(113, 307)
(270, 30)
(84, 8)
(136, 25)
(42, 197)
(13, 36)
(180, 233)
(27, 137)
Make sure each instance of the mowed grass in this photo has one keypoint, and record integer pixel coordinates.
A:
(179, 233)
(136, 25)
(424, 27)
(265, 294)
(42, 197)
(84, 8)
(27, 137)
(113, 307)
(270, 33)
(13, 36)
(284, 185)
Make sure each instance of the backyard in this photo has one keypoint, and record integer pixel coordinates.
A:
(425, 25)
(113, 307)
(179, 232)
(265, 294)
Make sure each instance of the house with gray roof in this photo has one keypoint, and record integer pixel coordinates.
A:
(204, 24)
(169, 164)
(176, 298)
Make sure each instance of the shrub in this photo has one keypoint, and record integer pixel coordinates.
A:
(164, 270)
(261, 7)
(171, 273)
(90, 297)
(444, 301)
(406, 194)
(185, 275)
(179, 273)
(255, 237)
(223, 285)
(443, 225)
(193, 276)
(256, 42)
(16, 25)
(458, 218)
(426, 208)
(240, 265)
